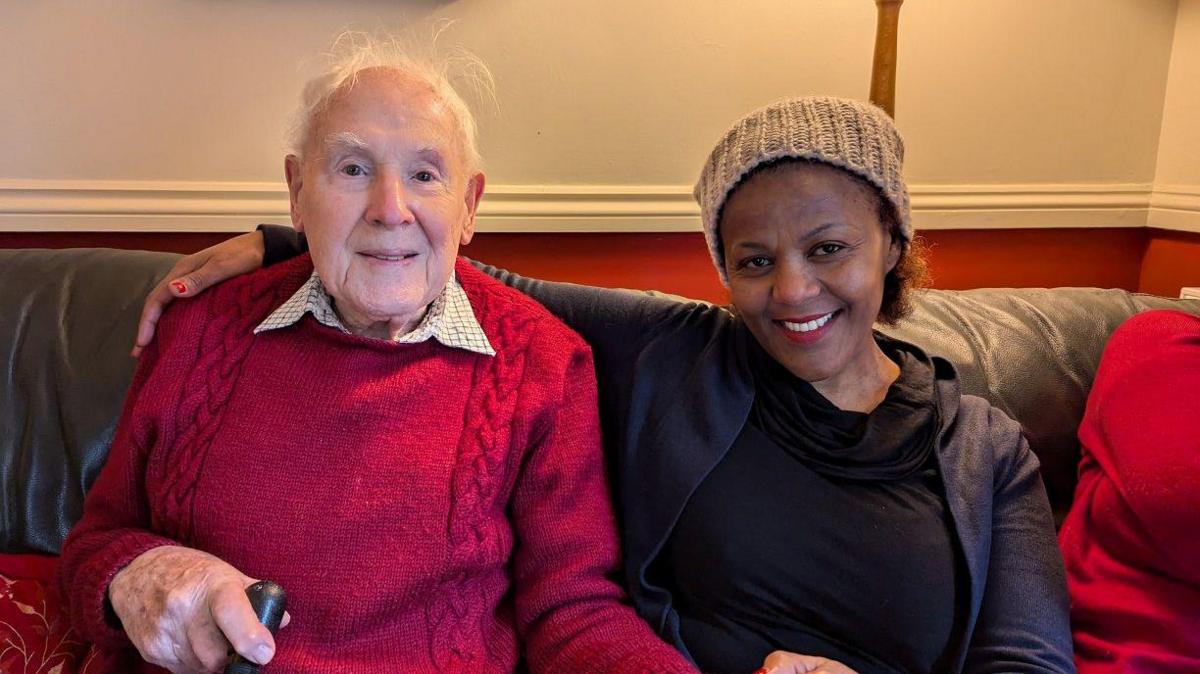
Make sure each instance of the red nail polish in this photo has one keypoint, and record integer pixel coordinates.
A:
(179, 287)
(761, 670)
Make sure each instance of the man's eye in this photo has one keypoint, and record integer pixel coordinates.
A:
(353, 170)
(827, 249)
(424, 176)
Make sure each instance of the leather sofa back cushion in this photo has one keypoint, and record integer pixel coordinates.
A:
(1033, 353)
(68, 319)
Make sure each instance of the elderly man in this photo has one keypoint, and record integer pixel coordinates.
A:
(408, 447)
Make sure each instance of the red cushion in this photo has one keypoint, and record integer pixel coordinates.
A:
(35, 635)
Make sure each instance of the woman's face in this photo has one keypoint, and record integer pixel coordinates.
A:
(806, 255)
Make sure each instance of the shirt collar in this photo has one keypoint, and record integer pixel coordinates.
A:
(449, 319)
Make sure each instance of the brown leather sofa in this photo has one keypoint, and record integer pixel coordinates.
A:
(67, 319)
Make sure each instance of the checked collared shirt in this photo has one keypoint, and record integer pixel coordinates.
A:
(449, 319)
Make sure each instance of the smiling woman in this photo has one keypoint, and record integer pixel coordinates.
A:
(854, 510)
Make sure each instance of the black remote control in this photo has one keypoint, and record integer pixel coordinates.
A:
(269, 601)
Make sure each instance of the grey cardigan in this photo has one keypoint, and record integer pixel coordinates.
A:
(675, 390)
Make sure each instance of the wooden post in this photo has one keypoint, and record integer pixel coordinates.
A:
(883, 71)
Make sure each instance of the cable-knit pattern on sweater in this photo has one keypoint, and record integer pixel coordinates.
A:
(485, 470)
(221, 347)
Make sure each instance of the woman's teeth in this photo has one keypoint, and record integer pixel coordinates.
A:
(808, 326)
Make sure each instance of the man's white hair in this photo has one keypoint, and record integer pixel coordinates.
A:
(354, 52)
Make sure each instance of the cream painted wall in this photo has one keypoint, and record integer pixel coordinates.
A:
(1016, 113)
(1176, 201)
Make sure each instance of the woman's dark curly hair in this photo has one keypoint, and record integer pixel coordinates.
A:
(911, 272)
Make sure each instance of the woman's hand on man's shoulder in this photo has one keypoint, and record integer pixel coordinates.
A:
(195, 273)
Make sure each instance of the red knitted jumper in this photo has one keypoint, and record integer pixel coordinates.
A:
(1131, 542)
(426, 508)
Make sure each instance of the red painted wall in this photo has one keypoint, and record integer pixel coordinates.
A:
(1035, 258)
(179, 242)
(1172, 261)
(1148, 260)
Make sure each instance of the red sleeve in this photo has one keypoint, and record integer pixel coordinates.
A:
(569, 609)
(115, 525)
(1141, 425)
(1130, 542)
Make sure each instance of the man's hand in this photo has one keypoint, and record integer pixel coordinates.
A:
(782, 662)
(183, 608)
(195, 273)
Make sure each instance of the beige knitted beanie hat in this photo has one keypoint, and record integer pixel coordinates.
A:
(851, 135)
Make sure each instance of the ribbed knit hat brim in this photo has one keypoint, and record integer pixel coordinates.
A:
(852, 135)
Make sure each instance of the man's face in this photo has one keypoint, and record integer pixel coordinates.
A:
(385, 196)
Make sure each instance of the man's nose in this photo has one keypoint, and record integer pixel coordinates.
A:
(388, 205)
(795, 282)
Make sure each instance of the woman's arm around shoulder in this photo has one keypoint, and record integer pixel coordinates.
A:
(618, 324)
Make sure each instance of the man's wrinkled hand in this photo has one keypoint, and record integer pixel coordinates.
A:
(194, 273)
(183, 609)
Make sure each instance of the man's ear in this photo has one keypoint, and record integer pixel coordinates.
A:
(293, 170)
(474, 193)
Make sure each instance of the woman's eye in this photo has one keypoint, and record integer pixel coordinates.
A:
(353, 170)
(424, 176)
(756, 262)
(827, 248)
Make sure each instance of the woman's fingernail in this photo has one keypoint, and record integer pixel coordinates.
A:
(179, 287)
(263, 654)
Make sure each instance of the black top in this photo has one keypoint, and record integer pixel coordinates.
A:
(822, 532)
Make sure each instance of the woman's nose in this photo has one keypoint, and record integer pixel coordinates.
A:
(795, 283)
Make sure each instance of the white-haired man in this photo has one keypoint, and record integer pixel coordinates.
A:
(408, 447)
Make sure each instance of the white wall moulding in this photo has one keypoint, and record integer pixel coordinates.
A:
(89, 206)
(1029, 206)
(138, 206)
(1175, 207)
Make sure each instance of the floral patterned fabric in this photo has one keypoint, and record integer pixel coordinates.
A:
(35, 635)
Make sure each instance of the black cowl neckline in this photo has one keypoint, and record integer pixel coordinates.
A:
(892, 442)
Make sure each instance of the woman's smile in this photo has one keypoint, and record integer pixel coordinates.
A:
(808, 329)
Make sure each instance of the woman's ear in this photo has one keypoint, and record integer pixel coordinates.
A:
(893, 255)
